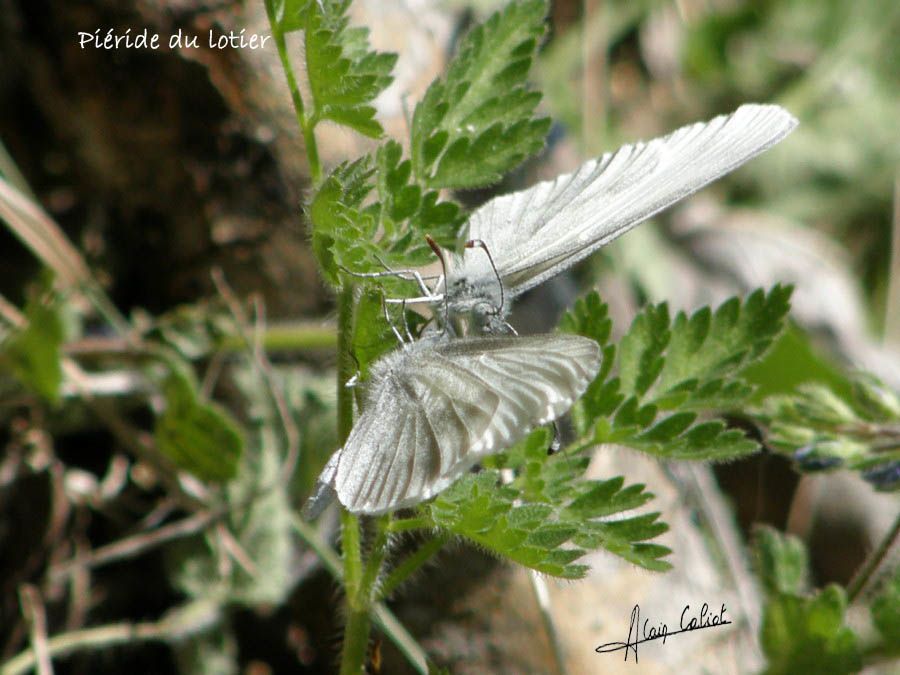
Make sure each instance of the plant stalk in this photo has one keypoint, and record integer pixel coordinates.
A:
(856, 585)
(356, 630)
(356, 642)
(307, 122)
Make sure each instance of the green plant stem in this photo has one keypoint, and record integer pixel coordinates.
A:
(356, 642)
(346, 367)
(356, 631)
(288, 337)
(381, 615)
(352, 557)
(408, 524)
(865, 573)
(360, 593)
(408, 567)
(307, 123)
(376, 558)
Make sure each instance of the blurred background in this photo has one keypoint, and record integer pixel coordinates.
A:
(162, 166)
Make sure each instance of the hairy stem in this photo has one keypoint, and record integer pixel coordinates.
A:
(356, 632)
(307, 123)
(356, 641)
(381, 615)
(376, 559)
(408, 524)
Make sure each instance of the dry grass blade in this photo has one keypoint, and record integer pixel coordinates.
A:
(33, 609)
(892, 307)
(30, 223)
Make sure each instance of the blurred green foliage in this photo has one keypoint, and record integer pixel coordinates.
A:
(833, 64)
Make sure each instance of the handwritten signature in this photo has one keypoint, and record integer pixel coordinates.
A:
(688, 622)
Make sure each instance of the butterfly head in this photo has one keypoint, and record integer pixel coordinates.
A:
(475, 306)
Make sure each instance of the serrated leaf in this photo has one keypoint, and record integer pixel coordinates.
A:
(721, 343)
(476, 124)
(341, 230)
(808, 635)
(548, 516)
(408, 213)
(473, 161)
(782, 562)
(640, 351)
(344, 75)
(669, 370)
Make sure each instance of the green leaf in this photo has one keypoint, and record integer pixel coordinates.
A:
(709, 345)
(408, 212)
(664, 372)
(781, 561)
(261, 513)
(372, 336)
(476, 124)
(35, 351)
(808, 635)
(800, 633)
(197, 436)
(385, 235)
(548, 516)
(344, 75)
(640, 351)
(886, 613)
(341, 229)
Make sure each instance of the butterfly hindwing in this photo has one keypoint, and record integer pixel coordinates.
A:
(436, 407)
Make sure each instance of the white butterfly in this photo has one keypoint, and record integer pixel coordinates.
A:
(537, 233)
(435, 407)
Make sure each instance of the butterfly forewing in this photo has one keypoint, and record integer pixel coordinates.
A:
(437, 407)
(536, 233)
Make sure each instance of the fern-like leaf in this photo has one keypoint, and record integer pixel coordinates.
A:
(548, 516)
(344, 75)
(477, 123)
(650, 389)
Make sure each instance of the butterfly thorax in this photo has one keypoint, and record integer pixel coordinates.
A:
(474, 298)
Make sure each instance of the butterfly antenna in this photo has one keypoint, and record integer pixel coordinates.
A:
(472, 243)
(440, 254)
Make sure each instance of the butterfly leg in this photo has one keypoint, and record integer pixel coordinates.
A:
(406, 275)
(425, 299)
(556, 443)
(387, 317)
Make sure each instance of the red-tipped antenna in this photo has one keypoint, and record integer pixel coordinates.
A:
(472, 243)
(440, 254)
